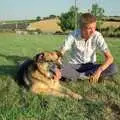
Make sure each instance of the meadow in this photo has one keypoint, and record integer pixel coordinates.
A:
(101, 101)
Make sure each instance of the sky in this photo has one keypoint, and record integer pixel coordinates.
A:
(30, 9)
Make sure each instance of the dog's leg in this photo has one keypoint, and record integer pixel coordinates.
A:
(59, 91)
(69, 93)
(47, 91)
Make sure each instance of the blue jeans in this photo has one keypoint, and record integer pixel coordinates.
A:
(80, 71)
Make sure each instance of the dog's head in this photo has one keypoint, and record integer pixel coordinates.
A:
(54, 56)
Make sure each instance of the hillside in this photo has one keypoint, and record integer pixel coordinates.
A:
(114, 24)
(48, 25)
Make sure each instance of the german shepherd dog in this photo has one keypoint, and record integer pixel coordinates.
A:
(37, 74)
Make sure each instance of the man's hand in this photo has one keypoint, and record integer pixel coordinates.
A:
(95, 77)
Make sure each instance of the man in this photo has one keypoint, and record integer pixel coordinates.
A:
(83, 44)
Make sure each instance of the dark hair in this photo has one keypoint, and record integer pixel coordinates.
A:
(86, 19)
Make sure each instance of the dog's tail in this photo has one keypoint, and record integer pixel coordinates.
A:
(22, 76)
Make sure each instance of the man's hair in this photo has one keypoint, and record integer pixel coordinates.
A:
(86, 19)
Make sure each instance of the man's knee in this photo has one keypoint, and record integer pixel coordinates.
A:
(111, 70)
(69, 71)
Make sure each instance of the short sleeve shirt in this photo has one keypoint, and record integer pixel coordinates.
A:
(84, 51)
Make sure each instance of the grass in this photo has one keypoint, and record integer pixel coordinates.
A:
(101, 101)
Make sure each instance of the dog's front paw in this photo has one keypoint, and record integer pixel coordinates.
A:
(77, 96)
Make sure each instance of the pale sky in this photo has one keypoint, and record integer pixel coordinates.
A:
(30, 9)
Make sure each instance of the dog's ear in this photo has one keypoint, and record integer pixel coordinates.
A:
(59, 54)
(39, 57)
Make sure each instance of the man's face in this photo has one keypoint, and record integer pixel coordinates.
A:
(88, 30)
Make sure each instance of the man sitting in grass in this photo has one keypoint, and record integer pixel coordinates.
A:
(83, 43)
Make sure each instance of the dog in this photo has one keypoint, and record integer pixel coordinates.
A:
(38, 75)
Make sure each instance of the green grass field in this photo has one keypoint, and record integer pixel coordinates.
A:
(101, 101)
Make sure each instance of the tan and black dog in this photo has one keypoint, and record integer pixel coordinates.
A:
(38, 75)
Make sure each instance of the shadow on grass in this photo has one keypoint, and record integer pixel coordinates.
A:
(94, 109)
(114, 107)
(14, 58)
(10, 70)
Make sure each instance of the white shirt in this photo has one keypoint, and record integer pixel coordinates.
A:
(84, 51)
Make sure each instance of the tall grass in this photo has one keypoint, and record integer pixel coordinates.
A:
(101, 101)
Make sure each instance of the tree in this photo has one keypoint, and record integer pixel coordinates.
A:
(99, 13)
(67, 20)
(52, 16)
(38, 18)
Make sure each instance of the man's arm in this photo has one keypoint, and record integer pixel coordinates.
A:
(108, 61)
(67, 43)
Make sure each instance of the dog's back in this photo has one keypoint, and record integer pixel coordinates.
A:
(22, 76)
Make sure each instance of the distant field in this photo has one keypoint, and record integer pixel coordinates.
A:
(111, 23)
(16, 21)
(101, 101)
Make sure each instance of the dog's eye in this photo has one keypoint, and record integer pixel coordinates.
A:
(39, 57)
